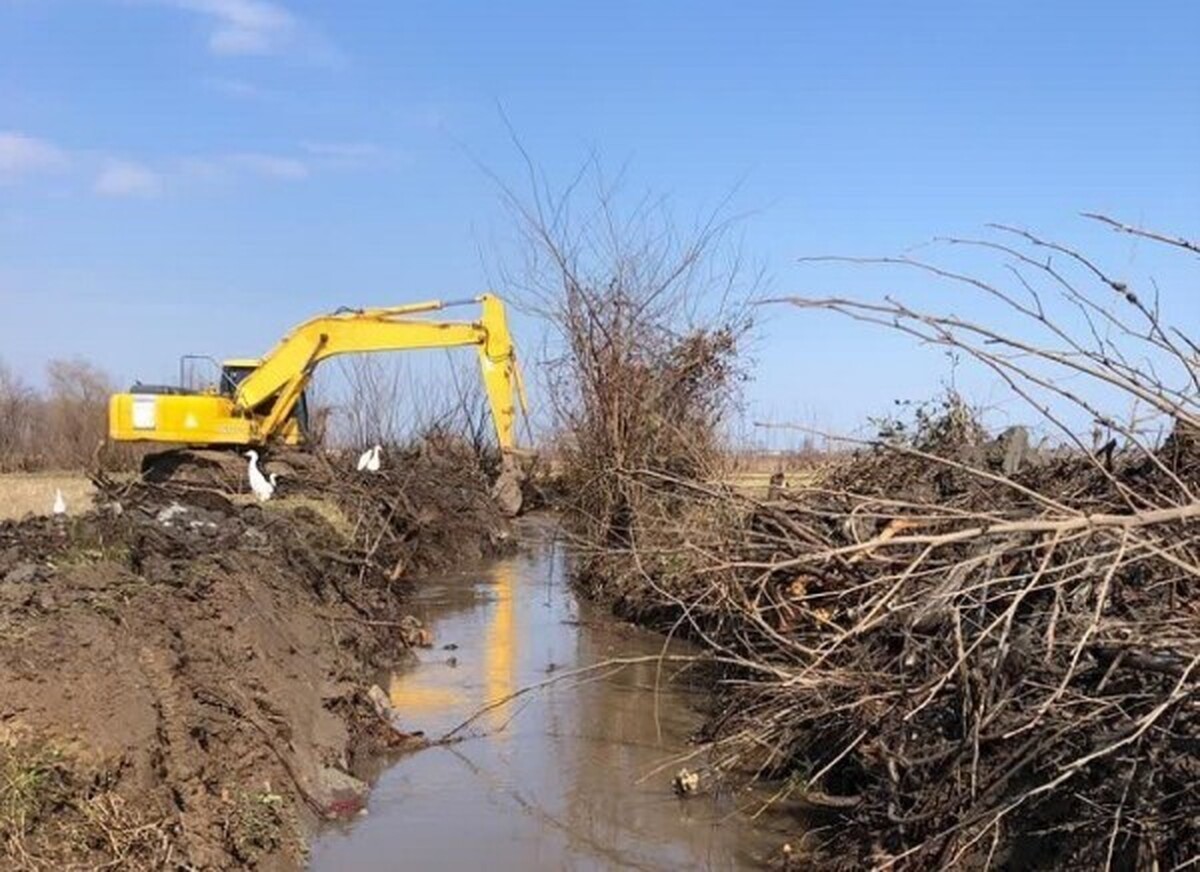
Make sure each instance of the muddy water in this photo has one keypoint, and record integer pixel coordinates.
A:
(564, 778)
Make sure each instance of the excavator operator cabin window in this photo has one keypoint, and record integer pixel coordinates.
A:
(232, 376)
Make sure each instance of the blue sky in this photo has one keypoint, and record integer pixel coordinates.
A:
(197, 175)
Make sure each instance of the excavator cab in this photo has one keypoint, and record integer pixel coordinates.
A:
(234, 372)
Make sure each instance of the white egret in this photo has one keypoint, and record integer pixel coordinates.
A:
(60, 505)
(368, 461)
(262, 487)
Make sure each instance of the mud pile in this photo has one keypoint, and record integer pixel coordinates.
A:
(185, 674)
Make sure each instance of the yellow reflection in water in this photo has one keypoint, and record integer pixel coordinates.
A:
(414, 696)
(435, 693)
(498, 643)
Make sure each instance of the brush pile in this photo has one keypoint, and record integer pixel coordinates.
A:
(428, 507)
(952, 660)
(959, 650)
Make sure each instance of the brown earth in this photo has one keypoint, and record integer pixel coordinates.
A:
(185, 678)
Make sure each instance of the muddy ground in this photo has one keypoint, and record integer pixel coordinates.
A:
(185, 675)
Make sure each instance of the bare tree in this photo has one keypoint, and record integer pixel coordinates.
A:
(645, 319)
(76, 409)
(19, 412)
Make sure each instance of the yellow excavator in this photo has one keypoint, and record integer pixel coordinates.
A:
(261, 402)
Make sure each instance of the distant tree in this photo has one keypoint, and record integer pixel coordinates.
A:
(75, 411)
(18, 413)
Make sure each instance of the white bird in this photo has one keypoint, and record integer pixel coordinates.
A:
(60, 505)
(262, 487)
(369, 460)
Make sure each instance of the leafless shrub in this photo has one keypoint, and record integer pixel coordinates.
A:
(645, 320)
(321, 411)
(468, 413)
(393, 401)
(368, 408)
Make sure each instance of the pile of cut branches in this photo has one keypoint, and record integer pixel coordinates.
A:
(428, 506)
(965, 650)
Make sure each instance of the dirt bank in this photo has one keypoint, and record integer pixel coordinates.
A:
(184, 674)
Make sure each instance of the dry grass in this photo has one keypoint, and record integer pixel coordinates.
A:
(22, 493)
(326, 509)
(758, 484)
(51, 810)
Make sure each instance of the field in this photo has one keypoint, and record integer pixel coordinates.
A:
(24, 494)
(758, 484)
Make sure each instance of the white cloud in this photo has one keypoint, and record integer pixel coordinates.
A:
(269, 165)
(22, 155)
(127, 179)
(237, 88)
(343, 150)
(226, 167)
(244, 27)
(348, 155)
(257, 27)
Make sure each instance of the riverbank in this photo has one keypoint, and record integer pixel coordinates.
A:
(184, 673)
(951, 651)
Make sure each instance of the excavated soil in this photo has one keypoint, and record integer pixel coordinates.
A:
(185, 675)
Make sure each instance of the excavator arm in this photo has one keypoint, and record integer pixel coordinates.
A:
(261, 405)
(287, 369)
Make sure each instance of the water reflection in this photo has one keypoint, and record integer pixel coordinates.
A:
(499, 643)
(562, 779)
(434, 700)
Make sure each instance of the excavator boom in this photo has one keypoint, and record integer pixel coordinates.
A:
(257, 401)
